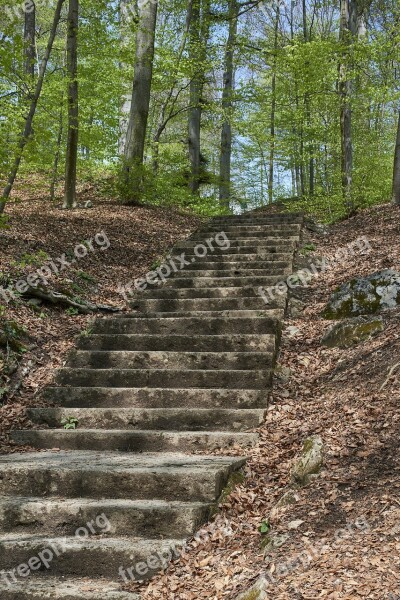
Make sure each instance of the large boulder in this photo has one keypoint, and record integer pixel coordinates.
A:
(352, 331)
(365, 296)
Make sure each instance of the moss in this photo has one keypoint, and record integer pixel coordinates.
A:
(235, 479)
(251, 595)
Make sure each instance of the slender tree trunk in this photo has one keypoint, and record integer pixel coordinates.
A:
(347, 27)
(140, 103)
(273, 111)
(27, 131)
(57, 153)
(396, 169)
(226, 134)
(198, 39)
(30, 41)
(73, 109)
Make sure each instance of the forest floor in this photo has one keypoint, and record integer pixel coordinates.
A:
(130, 240)
(343, 531)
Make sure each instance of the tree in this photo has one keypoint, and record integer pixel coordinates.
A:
(73, 108)
(396, 169)
(141, 92)
(199, 20)
(27, 131)
(30, 40)
(228, 87)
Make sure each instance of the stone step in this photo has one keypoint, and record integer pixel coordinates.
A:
(184, 325)
(192, 281)
(240, 243)
(113, 440)
(99, 475)
(272, 266)
(269, 255)
(158, 378)
(53, 588)
(238, 228)
(182, 343)
(263, 311)
(72, 556)
(170, 360)
(65, 516)
(170, 293)
(163, 419)
(152, 398)
(205, 304)
(207, 237)
(260, 216)
(243, 271)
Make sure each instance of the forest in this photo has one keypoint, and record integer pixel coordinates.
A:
(214, 106)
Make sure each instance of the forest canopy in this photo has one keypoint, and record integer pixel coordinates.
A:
(212, 105)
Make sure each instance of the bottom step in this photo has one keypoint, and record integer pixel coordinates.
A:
(52, 588)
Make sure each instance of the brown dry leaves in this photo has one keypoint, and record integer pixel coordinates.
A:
(334, 393)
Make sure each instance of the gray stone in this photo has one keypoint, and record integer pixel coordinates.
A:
(310, 462)
(365, 296)
(352, 331)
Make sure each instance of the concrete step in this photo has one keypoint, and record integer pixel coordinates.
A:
(182, 343)
(259, 217)
(184, 325)
(99, 475)
(170, 293)
(205, 304)
(113, 440)
(131, 378)
(64, 516)
(159, 360)
(263, 311)
(240, 243)
(207, 237)
(267, 255)
(192, 281)
(154, 398)
(72, 556)
(54, 588)
(238, 228)
(232, 272)
(162, 419)
(272, 266)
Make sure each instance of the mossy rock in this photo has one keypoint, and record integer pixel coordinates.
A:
(310, 463)
(352, 332)
(256, 592)
(365, 296)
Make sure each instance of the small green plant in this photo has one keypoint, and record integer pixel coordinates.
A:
(86, 277)
(72, 311)
(35, 260)
(264, 527)
(70, 423)
(307, 248)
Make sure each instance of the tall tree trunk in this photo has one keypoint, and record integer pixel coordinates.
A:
(30, 40)
(140, 103)
(57, 153)
(307, 103)
(27, 131)
(273, 111)
(73, 109)
(396, 169)
(226, 134)
(345, 107)
(198, 39)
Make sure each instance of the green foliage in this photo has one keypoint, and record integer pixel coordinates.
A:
(264, 527)
(70, 423)
(72, 311)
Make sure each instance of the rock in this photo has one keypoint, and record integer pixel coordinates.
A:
(352, 331)
(288, 499)
(274, 541)
(257, 592)
(88, 204)
(296, 307)
(310, 462)
(291, 331)
(365, 296)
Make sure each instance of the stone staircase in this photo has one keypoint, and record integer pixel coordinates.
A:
(186, 373)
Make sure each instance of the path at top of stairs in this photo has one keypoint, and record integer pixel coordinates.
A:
(153, 392)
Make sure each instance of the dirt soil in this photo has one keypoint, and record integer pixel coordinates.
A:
(130, 240)
(343, 531)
